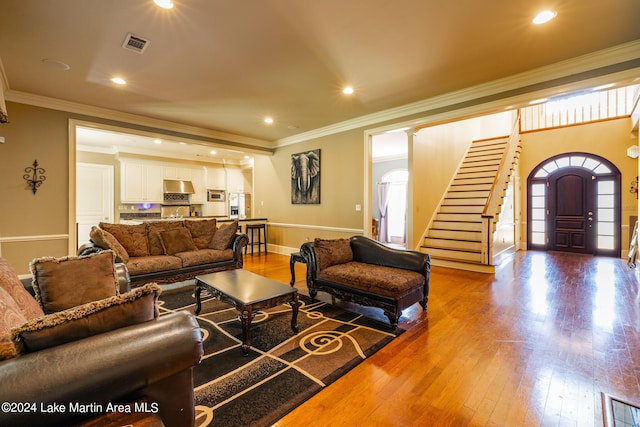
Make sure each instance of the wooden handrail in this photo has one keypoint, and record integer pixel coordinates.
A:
(493, 201)
(498, 187)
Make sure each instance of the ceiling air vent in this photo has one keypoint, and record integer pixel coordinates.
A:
(135, 43)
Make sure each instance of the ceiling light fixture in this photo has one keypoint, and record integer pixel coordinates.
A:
(165, 4)
(348, 90)
(119, 81)
(268, 120)
(157, 141)
(544, 17)
(213, 152)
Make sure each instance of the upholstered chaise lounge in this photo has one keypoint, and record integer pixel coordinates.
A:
(365, 272)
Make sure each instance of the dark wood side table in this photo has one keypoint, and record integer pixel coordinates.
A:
(247, 292)
(295, 257)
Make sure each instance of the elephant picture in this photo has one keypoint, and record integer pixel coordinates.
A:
(305, 178)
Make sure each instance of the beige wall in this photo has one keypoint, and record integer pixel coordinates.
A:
(341, 188)
(33, 225)
(37, 225)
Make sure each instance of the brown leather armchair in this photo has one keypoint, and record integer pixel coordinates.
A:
(152, 360)
(71, 382)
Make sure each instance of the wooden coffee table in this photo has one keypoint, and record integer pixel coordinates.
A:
(247, 292)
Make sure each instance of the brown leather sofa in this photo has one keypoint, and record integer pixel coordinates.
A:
(363, 271)
(82, 379)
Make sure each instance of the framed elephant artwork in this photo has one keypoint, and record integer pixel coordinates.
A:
(305, 178)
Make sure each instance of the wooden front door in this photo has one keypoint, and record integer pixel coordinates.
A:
(571, 204)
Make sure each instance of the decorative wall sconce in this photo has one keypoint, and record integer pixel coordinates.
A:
(634, 187)
(34, 176)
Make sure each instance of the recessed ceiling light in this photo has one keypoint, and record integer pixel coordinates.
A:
(157, 141)
(165, 4)
(348, 90)
(119, 81)
(268, 120)
(544, 17)
(213, 152)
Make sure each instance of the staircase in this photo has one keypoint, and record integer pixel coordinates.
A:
(457, 236)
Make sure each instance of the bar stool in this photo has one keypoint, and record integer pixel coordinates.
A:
(261, 229)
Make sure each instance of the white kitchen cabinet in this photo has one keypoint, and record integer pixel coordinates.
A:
(235, 180)
(177, 172)
(197, 178)
(216, 178)
(140, 183)
(186, 173)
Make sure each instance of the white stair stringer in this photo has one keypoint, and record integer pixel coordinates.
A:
(454, 238)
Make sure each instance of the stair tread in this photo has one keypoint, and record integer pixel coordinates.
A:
(446, 248)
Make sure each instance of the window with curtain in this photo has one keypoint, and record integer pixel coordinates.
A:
(396, 206)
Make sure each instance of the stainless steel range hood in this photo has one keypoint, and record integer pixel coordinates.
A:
(174, 186)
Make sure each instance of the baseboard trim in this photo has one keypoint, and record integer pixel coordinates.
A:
(456, 265)
(316, 227)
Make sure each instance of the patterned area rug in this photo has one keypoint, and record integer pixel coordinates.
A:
(282, 370)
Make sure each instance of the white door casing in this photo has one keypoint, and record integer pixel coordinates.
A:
(94, 197)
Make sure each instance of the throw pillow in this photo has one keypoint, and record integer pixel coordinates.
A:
(9, 282)
(332, 251)
(105, 240)
(87, 320)
(153, 234)
(61, 283)
(132, 237)
(223, 236)
(177, 240)
(10, 317)
(202, 231)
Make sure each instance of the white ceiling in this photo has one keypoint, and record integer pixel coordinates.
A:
(112, 142)
(225, 65)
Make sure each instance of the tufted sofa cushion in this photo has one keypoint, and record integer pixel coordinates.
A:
(154, 233)
(105, 239)
(10, 282)
(223, 236)
(132, 237)
(332, 252)
(136, 306)
(202, 231)
(61, 283)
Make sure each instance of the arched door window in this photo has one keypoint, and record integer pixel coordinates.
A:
(574, 205)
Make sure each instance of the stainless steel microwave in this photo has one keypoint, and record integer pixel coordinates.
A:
(215, 196)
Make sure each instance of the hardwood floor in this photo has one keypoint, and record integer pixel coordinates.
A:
(534, 344)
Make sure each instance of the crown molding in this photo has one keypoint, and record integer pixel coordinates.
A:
(134, 119)
(596, 60)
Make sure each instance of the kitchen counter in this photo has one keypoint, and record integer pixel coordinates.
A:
(194, 218)
(225, 219)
